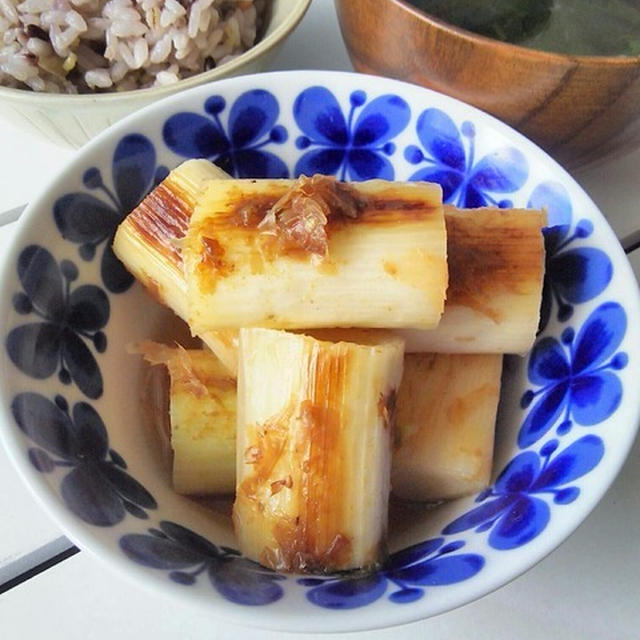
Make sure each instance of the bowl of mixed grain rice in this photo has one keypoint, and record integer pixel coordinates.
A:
(70, 68)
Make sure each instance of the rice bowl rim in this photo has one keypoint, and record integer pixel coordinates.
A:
(282, 30)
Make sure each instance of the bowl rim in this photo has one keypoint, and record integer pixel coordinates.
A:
(274, 620)
(265, 45)
(510, 48)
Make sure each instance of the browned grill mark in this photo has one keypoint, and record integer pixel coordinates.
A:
(480, 269)
(162, 218)
(311, 540)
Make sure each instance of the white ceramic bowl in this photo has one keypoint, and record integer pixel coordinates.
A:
(72, 120)
(78, 433)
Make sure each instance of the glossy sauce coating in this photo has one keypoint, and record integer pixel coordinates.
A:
(312, 426)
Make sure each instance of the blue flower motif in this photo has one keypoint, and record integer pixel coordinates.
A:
(88, 221)
(186, 555)
(427, 564)
(66, 319)
(97, 489)
(354, 151)
(572, 275)
(464, 182)
(576, 375)
(512, 508)
(240, 152)
(554, 197)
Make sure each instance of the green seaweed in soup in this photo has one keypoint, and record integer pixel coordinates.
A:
(508, 20)
(578, 27)
(591, 27)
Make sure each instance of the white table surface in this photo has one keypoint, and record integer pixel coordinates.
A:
(588, 588)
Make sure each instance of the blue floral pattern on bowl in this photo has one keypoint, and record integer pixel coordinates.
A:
(97, 489)
(412, 571)
(575, 376)
(452, 164)
(573, 273)
(89, 221)
(187, 555)
(62, 315)
(513, 508)
(67, 319)
(239, 148)
(336, 145)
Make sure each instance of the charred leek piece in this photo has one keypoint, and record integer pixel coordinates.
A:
(315, 253)
(445, 421)
(202, 410)
(313, 458)
(149, 241)
(496, 270)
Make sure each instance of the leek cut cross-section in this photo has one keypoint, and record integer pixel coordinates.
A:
(315, 422)
(149, 243)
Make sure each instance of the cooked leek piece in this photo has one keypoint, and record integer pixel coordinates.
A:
(148, 242)
(380, 264)
(224, 344)
(496, 270)
(445, 422)
(202, 410)
(314, 450)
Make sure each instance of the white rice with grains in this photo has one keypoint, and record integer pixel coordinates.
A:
(82, 46)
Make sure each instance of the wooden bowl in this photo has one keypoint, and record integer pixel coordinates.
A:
(578, 108)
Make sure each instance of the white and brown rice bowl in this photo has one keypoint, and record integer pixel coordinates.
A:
(83, 46)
